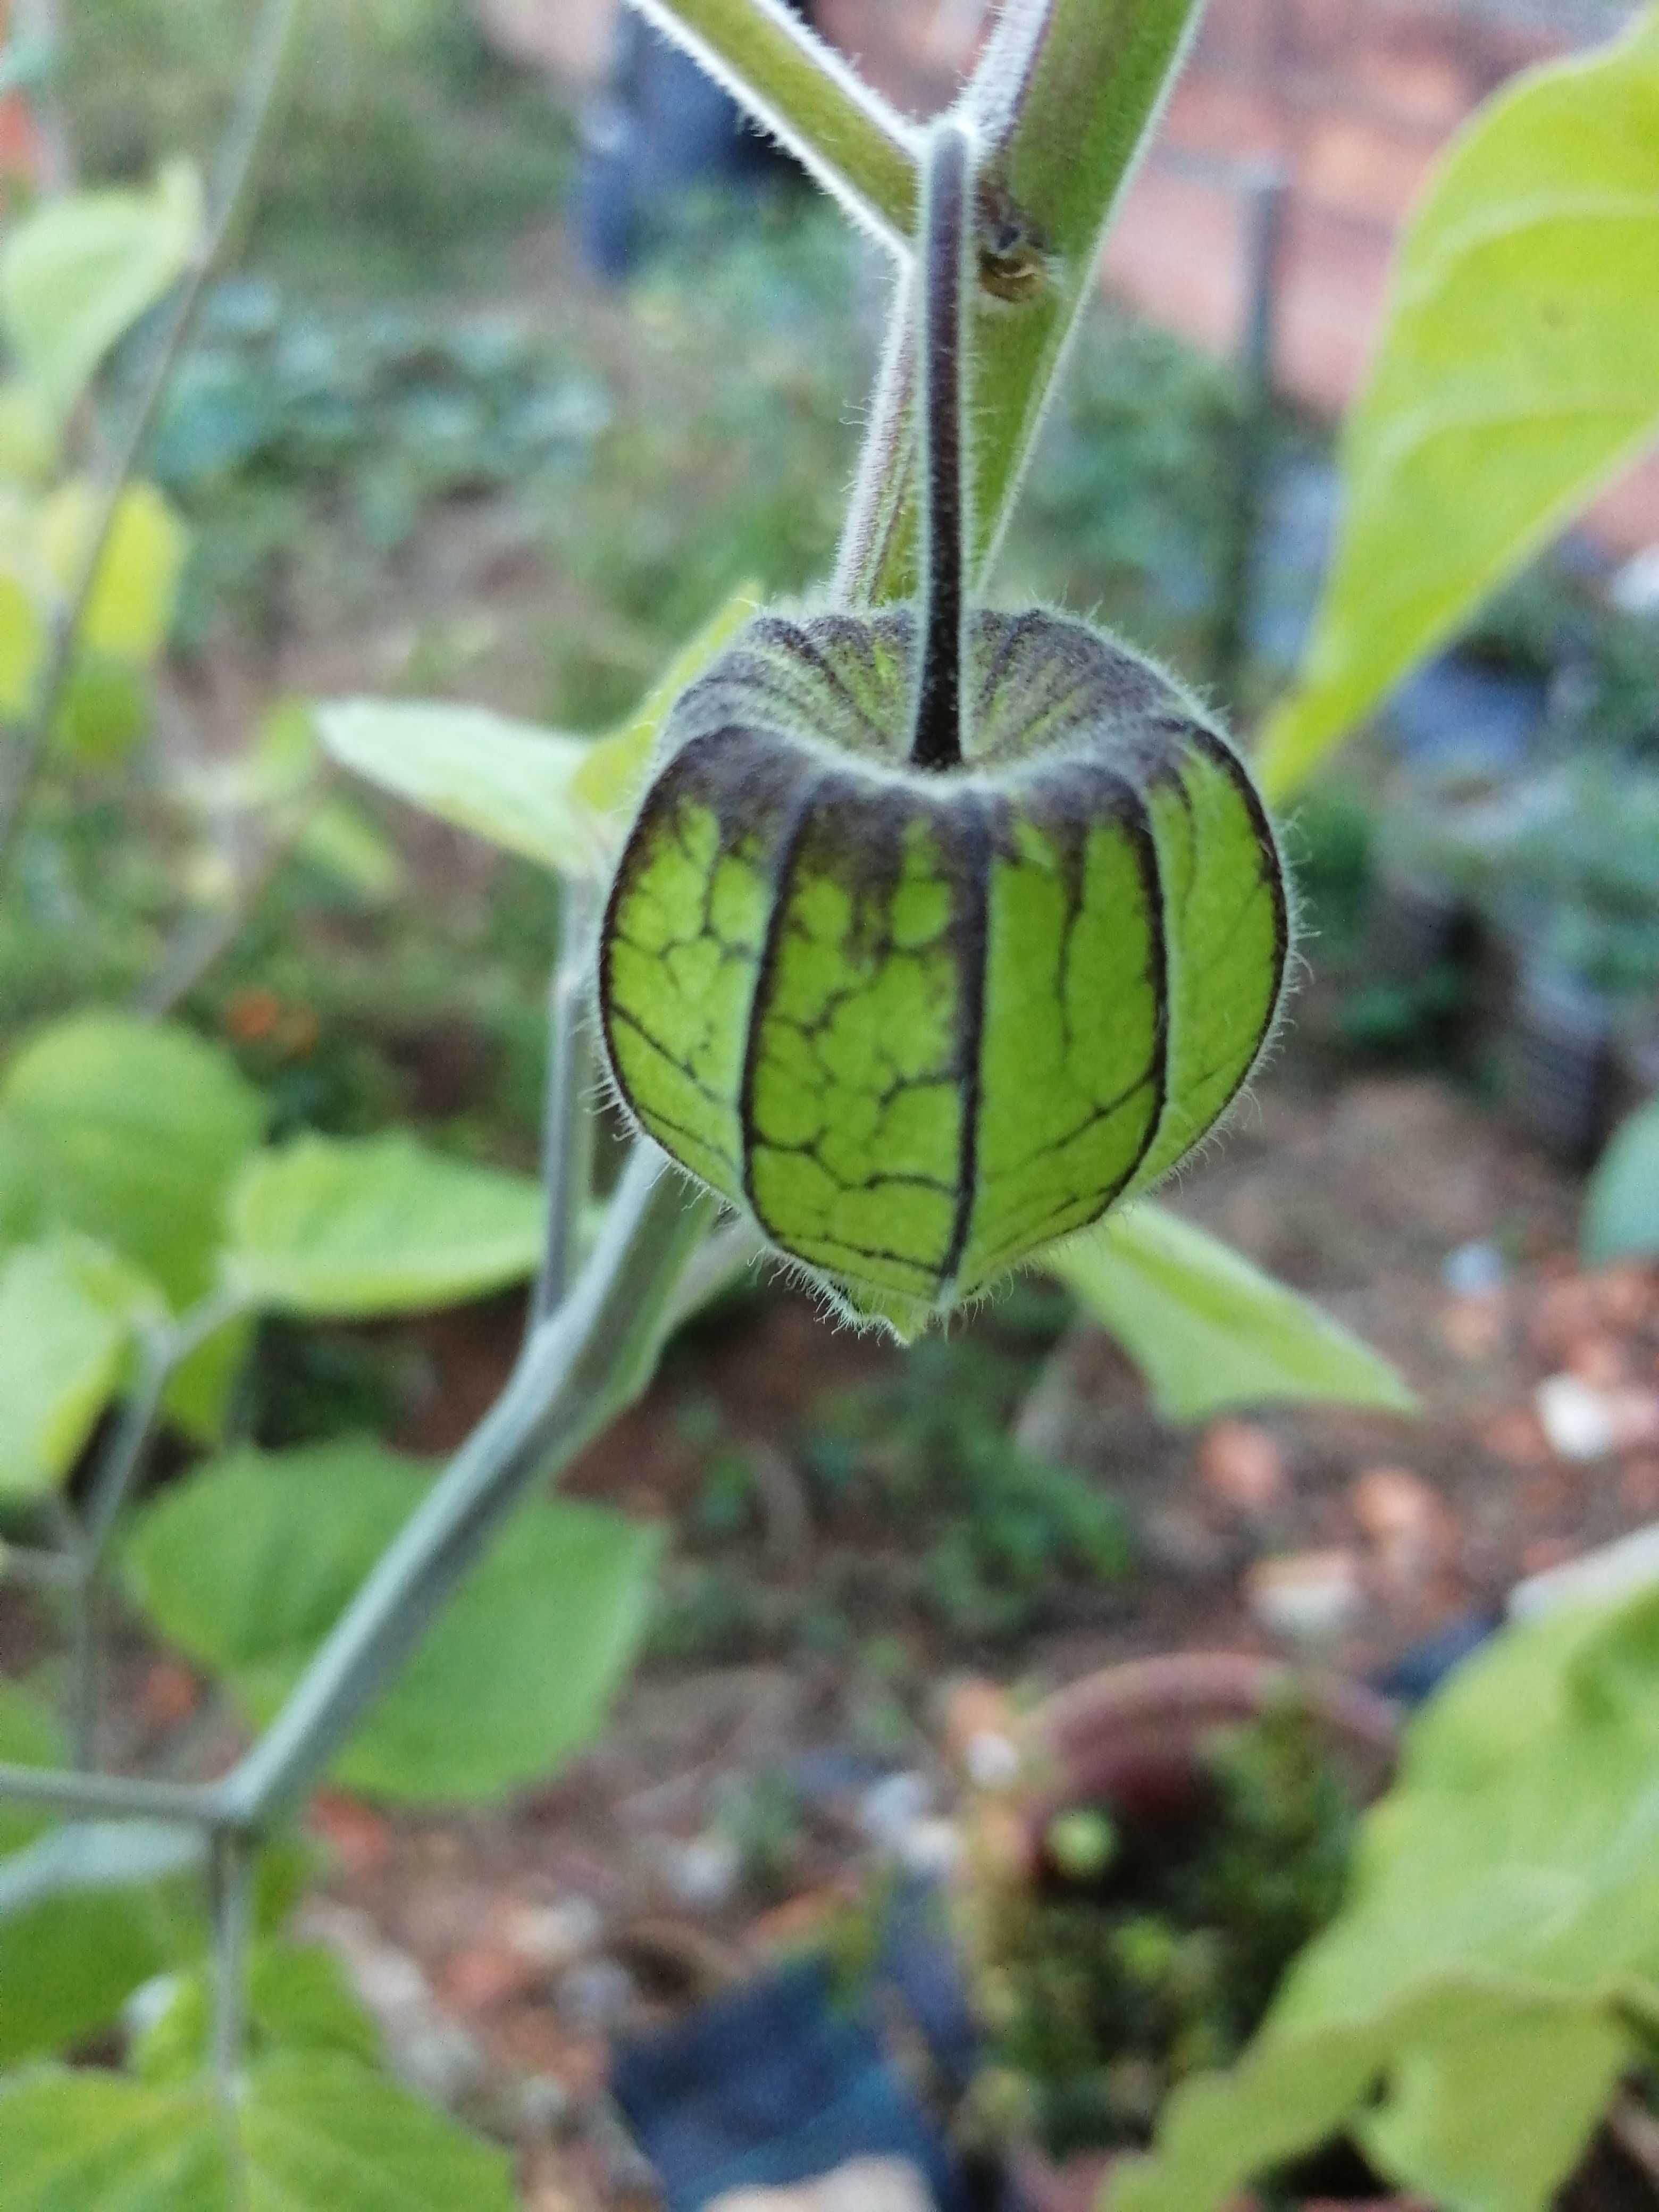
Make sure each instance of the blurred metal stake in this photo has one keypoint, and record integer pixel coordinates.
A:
(568, 1121)
(1266, 197)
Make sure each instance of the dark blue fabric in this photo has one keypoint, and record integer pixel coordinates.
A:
(1418, 1672)
(776, 2082)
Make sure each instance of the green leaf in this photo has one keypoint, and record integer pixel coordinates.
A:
(299, 1998)
(28, 1737)
(28, 437)
(353, 1227)
(1621, 1214)
(1518, 372)
(504, 781)
(79, 271)
(249, 1565)
(103, 715)
(129, 608)
(1210, 1331)
(67, 1310)
(1458, 2058)
(311, 2132)
(341, 840)
(611, 774)
(87, 1914)
(98, 2143)
(1500, 1935)
(22, 647)
(132, 1132)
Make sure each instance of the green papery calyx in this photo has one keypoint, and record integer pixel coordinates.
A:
(920, 1022)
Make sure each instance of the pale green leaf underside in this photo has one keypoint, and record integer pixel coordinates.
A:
(347, 1227)
(1517, 372)
(78, 272)
(1621, 1217)
(1209, 1331)
(503, 780)
(248, 1565)
(609, 779)
(561, 801)
(1504, 1903)
(311, 2132)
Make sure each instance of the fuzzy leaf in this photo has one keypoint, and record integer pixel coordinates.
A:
(503, 780)
(1517, 373)
(247, 1566)
(1207, 1329)
(352, 1227)
(611, 774)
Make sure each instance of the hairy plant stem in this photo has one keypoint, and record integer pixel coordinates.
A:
(1064, 99)
(942, 289)
(237, 168)
(578, 1369)
(858, 148)
(568, 1119)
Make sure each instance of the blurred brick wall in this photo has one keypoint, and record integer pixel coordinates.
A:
(19, 151)
(1350, 100)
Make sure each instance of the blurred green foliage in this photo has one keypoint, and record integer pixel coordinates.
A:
(408, 153)
(1118, 1972)
(923, 1510)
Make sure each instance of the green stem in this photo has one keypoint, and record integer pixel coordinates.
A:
(857, 147)
(39, 1569)
(578, 1370)
(568, 1123)
(112, 1796)
(230, 1879)
(117, 1470)
(1065, 98)
(238, 164)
